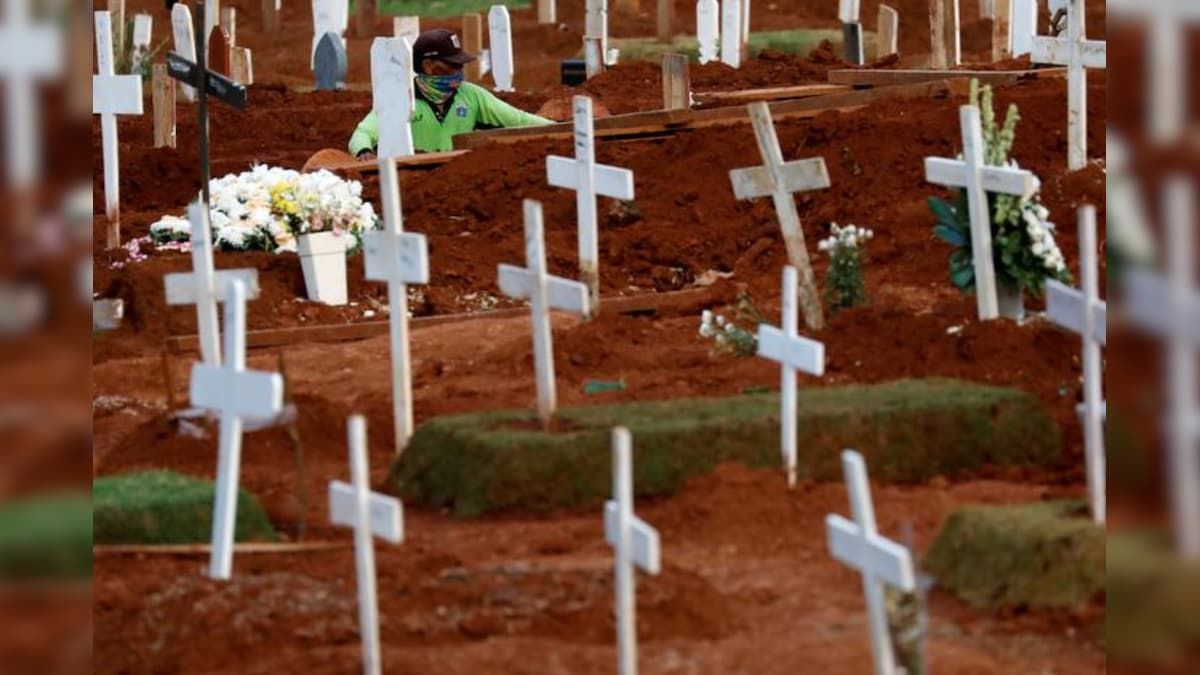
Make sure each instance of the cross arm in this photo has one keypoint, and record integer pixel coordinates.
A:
(646, 551)
(182, 286)
(563, 294)
(117, 95)
(1093, 53)
(396, 256)
(998, 180)
(871, 554)
(610, 181)
(797, 352)
(385, 513)
(217, 85)
(798, 176)
(1148, 302)
(1065, 307)
(245, 393)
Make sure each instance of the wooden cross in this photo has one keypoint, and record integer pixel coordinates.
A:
(979, 180)
(500, 39)
(588, 179)
(780, 179)
(1169, 307)
(183, 31)
(1083, 312)
(237, 394)
(793, 353)
(33, 53)
(859, 546)
(544, 293)
(731, 33)
(1166, 70)
(852, 32)
(708, 29)
(112, 95)
(1077, 53)
(399, 258)
(369, 514)
(393, 95)
(677, 87)
(204, 287)
(634, 542)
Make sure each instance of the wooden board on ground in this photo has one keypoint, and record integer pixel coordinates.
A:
(341, 161)
(878, 78)
(204, 549)
(770, 93)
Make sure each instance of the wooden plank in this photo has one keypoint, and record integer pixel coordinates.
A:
(606, 126)
(939, 56)
(219, 54)
(1002, 31)
(645, 303)
(418, 161)
(676, 82)
(270, 16)
(204, 549)
(771, 93)
(163, 100)
(877, 78)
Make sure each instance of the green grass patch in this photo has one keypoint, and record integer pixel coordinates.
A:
(800, 41)
(48, 537)
(441, 9)
(1043, 555)
(163, 507)
(1152, 599)
(909, 431)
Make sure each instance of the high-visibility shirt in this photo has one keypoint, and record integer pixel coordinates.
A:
(471, 108)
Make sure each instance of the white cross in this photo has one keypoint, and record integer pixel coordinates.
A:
(588, 179)
(500, 39)
(1083, 312)
(143, 28)
(544, 293)
(1170, 307)
(399, 258)
(780, 179)
(393, 96)
(183, 32)
(1077, 53)
(635, 542)
(1024, 26)
(112, 95)
(979, 180)
(32, 53)
(1166, 71)
(237, 394)
(731, 33)
(858, 545)
(355, 505)
(708, 27)
(793, 353)
(204, 287)
(596, 24)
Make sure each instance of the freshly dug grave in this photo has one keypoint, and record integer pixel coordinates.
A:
(909, 431)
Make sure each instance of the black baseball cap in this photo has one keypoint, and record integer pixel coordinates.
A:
(441, 44)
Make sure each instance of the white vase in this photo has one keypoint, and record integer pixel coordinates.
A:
(323, 259)
(1012, 302)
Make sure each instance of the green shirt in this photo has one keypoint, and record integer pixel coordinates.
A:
(471, 108)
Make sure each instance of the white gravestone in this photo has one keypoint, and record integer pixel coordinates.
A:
(1078, 54)
(979, 180)
(1024, 26)
(794, 353)
(859, 546)
(329, 16)
(1166, 71)
(32, 53)
(370, 514)
(406, 27)
(1170, 307)
(143, 28)
(588, 179)
(779, 180)
(204, 287)
(596, 23)
(237, 394)
(184, 34)
(1083, 312)
(500, 39)
(393, 95)
(399, 258)
(544, 293)
(634, 542)
(708, 29)
(888, 35)
(731, 33)
(112, 95)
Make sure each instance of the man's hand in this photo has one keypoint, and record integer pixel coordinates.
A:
(366, 156)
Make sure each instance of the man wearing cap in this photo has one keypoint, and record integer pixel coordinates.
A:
(445, 105)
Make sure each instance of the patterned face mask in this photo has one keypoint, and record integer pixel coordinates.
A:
(439, 88)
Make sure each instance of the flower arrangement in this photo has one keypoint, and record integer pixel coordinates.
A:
(266, 208)
(729, 336)
(1023, 243)
(844, 287)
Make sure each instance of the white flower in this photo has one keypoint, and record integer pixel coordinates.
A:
(1039, 249)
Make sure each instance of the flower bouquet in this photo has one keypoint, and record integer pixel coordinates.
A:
(844, 286)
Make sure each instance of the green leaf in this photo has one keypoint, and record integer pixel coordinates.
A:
(963, 276)
(942, 211)
(951, 235)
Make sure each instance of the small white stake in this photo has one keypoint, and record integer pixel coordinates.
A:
(731, 33)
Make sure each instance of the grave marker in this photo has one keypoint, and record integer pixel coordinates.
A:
(1169, 307)
(220, 56)
(371, 514)
(212, 15)
(634, 542)
(328, 18)
(1024, 26)
(731, 33)
(1078, 54)
(979, 180)
(745, 23)
(888, 35)
(665, 21)
(779, 180)
(399, 258)
(1083, 312)
(852, 32)
(794, 353)
(406, 27)
(112, 95)
(393, 95)
(183, 32)
(472, 43)
(589, 180)
(32, 53)
(163, 98)
(546, 11)
(1002, 30)
(859, 546)
(1166, 71)
(593, 56)
(237, 394)
(329, 63)
(270, 16)
(143, 25)
(241, 66)
(204, 287)
(229, 23)
(544, 293)
(708, 28)
(945, 34)
(368, 12)
(677, 87)
(596, 24)
(500, 39)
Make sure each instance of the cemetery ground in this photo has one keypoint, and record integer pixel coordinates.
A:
(747, 582)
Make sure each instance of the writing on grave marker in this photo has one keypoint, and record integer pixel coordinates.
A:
(32, 53)
(708, 28)
(1078, 54)
(112, 95)
(393, 95)
(500, 37)
(329, 63)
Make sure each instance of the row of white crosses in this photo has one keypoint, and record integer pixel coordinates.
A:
(112, 95)
(1078, 54)
(722, 30)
